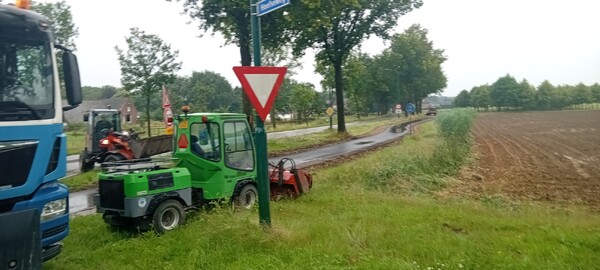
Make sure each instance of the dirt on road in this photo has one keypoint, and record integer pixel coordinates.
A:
(540, 156)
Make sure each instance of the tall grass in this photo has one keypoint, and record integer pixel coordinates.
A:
(427, 169)
(454, 148)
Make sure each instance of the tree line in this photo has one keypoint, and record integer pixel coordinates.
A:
(509, 94)
(407, 71)
(208, 91)
(334, 28)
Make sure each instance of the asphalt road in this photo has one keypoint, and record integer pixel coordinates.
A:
(83, 200)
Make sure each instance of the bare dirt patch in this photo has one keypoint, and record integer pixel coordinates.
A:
(542, 156)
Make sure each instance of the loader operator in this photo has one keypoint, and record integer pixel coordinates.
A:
(103, 126)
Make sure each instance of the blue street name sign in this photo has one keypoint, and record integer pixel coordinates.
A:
(266, 6)
(410, 108)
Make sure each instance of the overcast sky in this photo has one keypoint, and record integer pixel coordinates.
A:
(553, 40)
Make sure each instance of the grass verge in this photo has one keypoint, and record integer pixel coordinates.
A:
(75, 142)
(341, 224)
(81, 181)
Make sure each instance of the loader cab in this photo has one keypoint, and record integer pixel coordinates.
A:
(217, 149)
(99, 121)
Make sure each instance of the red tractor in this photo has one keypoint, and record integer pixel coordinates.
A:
(106, 142)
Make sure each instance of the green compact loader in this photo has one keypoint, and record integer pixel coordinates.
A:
(213, 158)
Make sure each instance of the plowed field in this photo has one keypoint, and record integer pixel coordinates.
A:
(542, 156)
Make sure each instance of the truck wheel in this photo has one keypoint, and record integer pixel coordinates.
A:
(85, 164)
(168, 216)
(247, 197)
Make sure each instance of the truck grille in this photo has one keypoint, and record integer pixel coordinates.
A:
(112, 194)
(16, 158)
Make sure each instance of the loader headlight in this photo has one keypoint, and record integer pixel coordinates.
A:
(54, 209)
(142, 202)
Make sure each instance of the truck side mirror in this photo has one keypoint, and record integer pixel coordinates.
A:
(72, 79)
(86, 117)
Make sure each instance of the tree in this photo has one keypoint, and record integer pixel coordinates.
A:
(64, 30)
(561, 97)
(581, 94)
(595, 89)
(61, 20)
(283, 100)
(504, 92)
(383, 84)
(525, 96)
(278, 57)
(418, 65)
(231, 19)
(544, 95)
(146, 66)
(204, 91)
(463, 99)
(304, 100)
(358, 82)
(480, 97)
(335, 28)
(96, 93)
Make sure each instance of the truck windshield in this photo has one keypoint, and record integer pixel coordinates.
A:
(26, 80)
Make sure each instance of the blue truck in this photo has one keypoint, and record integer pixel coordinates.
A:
(34, 215)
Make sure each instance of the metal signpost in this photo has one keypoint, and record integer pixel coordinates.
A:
(262, 104)
(410, 109)
(330, 112)
(398, 109)
(261, 85)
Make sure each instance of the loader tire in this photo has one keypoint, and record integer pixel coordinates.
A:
(168, 216)
(247, 197)
(85, 164)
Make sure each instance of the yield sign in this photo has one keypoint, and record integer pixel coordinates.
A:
(261, 85)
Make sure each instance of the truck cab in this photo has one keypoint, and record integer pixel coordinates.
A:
(34, 215)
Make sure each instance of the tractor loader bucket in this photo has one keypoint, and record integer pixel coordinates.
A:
(147, 147)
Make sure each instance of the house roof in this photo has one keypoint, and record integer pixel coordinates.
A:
(76, 115)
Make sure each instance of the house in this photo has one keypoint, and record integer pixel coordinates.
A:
(129, 113)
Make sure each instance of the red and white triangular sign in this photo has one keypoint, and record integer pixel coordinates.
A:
(261, 84)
